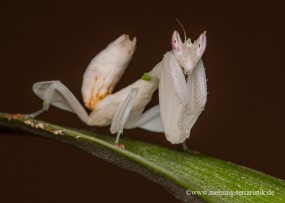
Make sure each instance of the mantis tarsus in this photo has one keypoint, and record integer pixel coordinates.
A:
(180, 77)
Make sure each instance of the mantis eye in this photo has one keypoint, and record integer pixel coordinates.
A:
(201, 46)
(176, 42)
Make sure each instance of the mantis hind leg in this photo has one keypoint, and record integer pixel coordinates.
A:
(36, 114)
(46, 91)
(56, 94)
(151, 120)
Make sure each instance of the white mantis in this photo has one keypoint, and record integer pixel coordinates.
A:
(180, 77)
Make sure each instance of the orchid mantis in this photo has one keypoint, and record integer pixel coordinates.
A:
(180, 77)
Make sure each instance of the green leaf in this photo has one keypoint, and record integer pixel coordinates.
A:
(176, 171)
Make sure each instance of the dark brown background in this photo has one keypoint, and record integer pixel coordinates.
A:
(243, 121)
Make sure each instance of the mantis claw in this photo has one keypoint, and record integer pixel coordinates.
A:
(121, 146)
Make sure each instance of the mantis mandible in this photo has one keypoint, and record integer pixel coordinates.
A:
(180, 78)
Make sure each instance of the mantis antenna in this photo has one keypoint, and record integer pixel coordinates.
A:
(185, 35)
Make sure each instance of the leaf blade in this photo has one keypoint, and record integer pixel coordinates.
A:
(175, 170)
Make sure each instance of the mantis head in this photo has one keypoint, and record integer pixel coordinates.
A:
(188, 53)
